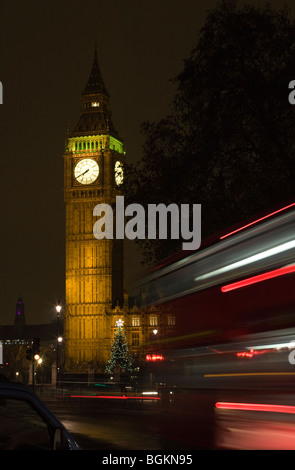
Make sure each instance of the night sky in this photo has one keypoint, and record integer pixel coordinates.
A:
(46, 54)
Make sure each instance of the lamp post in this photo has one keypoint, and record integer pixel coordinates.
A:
(59, 341)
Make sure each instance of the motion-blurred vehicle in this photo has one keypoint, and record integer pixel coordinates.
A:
(228, 310)
(26, 423)
(238, 285)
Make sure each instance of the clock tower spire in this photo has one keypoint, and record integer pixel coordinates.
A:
(93, 174)
(95, 82)
(95, 113)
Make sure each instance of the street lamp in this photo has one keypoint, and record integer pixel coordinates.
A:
(59, 341)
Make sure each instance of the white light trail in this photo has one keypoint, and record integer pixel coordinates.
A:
(252, 259)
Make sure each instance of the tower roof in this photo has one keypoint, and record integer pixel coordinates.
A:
(95, 82)
(95, 114)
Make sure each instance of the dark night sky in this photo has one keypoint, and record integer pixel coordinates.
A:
(46, 53)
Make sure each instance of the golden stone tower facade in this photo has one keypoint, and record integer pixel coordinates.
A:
(93, 174)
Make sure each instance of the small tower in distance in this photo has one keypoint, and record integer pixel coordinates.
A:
(19, 320)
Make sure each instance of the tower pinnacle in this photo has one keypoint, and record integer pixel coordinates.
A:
(95, 84)
(95, 114)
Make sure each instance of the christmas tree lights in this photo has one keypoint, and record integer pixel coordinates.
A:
(120, 356)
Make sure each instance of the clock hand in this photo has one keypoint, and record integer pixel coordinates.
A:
(82, 174)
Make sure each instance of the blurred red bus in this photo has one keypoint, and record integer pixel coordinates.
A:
(241, 282)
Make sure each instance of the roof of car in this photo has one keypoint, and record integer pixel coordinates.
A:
(15, 387)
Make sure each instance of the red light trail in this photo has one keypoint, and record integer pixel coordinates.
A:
(259, 278)
(257, 221)
(255, 407)
(116, 397)
(154, 357)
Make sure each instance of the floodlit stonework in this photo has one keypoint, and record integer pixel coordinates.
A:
(94, 286)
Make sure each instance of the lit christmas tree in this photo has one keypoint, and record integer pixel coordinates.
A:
(120, 356)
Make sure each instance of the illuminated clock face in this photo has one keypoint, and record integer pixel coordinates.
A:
(118, 173)
(86, 171)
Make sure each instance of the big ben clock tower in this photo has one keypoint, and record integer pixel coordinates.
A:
(93, 174)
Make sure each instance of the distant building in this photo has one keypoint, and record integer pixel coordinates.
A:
(21, 331)
(17, 338)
